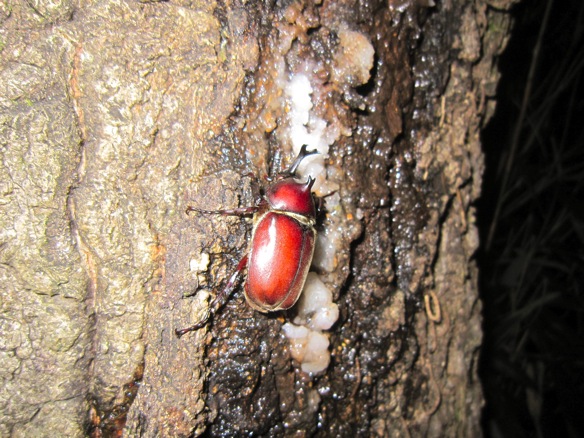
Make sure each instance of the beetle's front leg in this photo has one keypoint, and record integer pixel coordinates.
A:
(219, 300)
(243, 211)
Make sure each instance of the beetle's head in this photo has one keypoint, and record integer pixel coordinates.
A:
(292, 196)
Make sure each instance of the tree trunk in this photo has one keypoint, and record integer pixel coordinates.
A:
(117, 115)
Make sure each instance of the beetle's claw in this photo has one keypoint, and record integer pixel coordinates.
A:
(181, 332)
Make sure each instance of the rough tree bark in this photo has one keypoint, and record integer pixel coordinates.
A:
(117, 114)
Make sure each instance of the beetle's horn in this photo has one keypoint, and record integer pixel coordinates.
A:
(301, 155)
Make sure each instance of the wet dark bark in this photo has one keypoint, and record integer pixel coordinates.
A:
(116, 115)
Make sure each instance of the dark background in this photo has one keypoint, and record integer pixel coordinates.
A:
(531, 218)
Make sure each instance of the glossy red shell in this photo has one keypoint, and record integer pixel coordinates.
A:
(279, 259)
(291, 196)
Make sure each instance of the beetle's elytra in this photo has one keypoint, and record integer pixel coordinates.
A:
(281, 248)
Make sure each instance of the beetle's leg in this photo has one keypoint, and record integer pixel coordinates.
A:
(222, 297)
(219, 300)
(319, 200)
(244, 211)
(291, 171)
(256, 191)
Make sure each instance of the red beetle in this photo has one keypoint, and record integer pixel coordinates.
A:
(281, 248)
